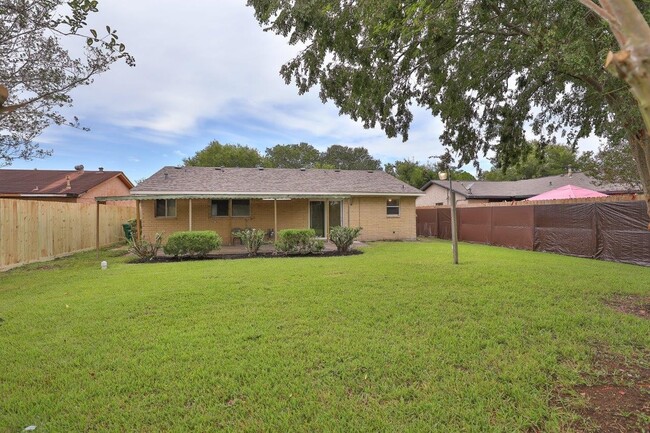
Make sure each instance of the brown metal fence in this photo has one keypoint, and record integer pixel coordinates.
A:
(614, 231)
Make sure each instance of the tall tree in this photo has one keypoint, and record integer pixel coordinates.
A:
(292, 156)
(349, 158)
(216, 154)
(417, 174)
(539, 162)
(37, 72)
(611, 164)
(489, 69)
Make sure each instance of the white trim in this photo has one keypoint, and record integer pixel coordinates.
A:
(281, 193)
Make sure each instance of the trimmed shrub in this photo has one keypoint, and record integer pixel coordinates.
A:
(193, 244)
(299, 241)
(343, 237)
(252, 239)
(143, 249)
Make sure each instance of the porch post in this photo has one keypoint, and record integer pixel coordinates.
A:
(327, 219)
(97, 229)
(190, 214)
(349, 208)
(275, 219)
(138, 230)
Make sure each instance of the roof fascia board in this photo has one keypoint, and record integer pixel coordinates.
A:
(279, 194)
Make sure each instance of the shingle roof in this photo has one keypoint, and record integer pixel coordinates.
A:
(206, 180)
(529, 187)
(37, 182)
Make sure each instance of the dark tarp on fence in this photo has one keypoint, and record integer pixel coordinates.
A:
(513, 226)
(566, 229)
(475, 225)
(614, 231)
(623, 233)
(427, 222)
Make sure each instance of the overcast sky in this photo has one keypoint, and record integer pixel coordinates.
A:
(205, 71)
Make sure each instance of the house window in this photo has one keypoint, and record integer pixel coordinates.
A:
(219, 208)
(392, 207)
(241, 208)
(165, 208)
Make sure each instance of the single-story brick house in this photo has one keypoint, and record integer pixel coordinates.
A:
(70, 186)
(273, 199)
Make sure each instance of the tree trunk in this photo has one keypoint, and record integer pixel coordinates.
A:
(631, 64)
(640, 144)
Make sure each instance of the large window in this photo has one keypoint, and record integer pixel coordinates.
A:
(165, 208)
(223, 208)
(392, 207)
(241, 208)
(219, 208)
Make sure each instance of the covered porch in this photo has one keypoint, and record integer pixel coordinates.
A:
(227, 213)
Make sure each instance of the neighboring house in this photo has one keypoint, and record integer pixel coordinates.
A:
(272, 199)
(76, 186)
(468, 192)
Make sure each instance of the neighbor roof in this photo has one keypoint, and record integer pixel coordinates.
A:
(54, 182)
(521, 189)
(271, 182)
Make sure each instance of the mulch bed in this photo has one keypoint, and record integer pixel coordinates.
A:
(269, 255)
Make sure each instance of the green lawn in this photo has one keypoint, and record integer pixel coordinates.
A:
(395, 339)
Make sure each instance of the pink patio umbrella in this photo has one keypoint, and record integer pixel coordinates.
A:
(565, 192)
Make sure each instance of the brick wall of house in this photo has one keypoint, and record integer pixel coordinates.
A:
(291, 214)
(367, 212)
(436, 195)
(112, 187)
(370, 214)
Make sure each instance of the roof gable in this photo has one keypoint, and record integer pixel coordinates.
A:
(190, 180)
(38, 182)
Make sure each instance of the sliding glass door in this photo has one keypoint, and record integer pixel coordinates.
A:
(317, 217)
(317, 211)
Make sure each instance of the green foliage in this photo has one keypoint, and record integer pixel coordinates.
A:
(488, 69)
(292, 156)
(417, 175)
(252, 239)
(298, 241)
(143, 249)
(38, 72)
(343, 237)
(612, 164)
(216, 154)
(411, 172)
(538, 161)
(395, 339)
(193, 244)
(349, 158)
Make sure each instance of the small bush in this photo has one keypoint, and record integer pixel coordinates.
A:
(343, 237)
(252, 239)
(143, 249)
(193, 244)
(299, 241)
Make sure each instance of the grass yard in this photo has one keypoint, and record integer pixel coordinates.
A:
(395, 339)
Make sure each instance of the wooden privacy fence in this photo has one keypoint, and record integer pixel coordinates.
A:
(607, 230)
(32, 230)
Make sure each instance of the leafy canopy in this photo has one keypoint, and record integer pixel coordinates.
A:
(292, 156)
(417, 174)
(538, 161)
(489, 69)
(37, 72)
(299, 155)
(216, 154)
